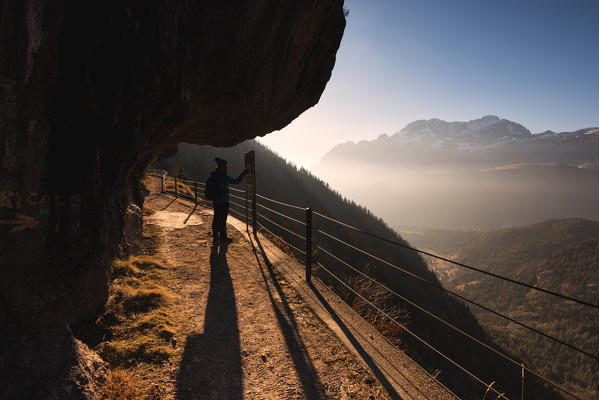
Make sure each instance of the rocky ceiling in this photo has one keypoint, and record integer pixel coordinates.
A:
(92, 91)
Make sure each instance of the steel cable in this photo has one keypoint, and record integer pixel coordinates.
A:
(237, 197)
(464, 298)
(459, 263)
(281, 214)
(281, 239)
(292, 272)
(280, 202)
(280, 226)
(410, 332)
(446, 323)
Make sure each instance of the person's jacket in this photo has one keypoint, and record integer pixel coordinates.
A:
(223, 184)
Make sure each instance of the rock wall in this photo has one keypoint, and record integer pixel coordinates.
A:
(51, 365)
(92, 91)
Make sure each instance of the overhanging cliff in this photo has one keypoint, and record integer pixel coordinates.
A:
(92, 91)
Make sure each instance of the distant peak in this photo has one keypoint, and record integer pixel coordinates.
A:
(489, 125)
(490, 118)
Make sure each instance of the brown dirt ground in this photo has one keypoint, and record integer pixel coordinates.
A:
(242, 332)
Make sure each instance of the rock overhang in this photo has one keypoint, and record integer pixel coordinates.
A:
(92, 92)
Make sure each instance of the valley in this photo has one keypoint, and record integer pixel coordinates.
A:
(558, 255)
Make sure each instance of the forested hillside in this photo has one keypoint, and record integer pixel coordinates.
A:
(284, 182)
(559, 255)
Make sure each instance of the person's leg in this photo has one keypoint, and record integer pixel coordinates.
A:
(225, 215)
(216, 219)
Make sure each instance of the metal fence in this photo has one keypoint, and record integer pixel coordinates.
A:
(294, 231)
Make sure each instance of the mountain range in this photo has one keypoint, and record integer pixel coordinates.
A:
(487, 141)
(484, 173)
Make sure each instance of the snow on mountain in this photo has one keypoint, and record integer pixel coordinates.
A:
(488, 139)
(489, 130)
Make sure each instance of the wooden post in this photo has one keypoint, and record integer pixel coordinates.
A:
(309, 245)
(195, 191)
(176, 187)
(247, 215)
(522, 391)
(250, 188)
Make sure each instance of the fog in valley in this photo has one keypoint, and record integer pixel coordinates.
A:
(451, 198)
(484, 173)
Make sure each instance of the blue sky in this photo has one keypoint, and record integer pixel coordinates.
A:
(533, 62)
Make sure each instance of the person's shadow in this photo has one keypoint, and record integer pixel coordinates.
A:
(211, 363)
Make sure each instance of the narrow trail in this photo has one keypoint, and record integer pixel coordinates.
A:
(243, 333)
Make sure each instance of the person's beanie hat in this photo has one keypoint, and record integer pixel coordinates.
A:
(220, 163)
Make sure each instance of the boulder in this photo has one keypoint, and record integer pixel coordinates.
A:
(51, 364)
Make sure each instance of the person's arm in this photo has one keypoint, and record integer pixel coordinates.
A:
(239, 178)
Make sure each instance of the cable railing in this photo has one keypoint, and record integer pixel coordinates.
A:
(569, 298)
(448, 324)
(284, 238)
(404, 328)
(284, 261)
(439, 287)
(237, 213)
(280, 226)
(280, 202)
(237, 197)
(281, 214)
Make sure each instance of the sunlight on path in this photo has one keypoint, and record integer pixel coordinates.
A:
(171, 220)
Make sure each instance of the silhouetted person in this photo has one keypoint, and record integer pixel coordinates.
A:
(221, 201)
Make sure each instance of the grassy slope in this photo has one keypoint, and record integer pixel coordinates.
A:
(135, 331)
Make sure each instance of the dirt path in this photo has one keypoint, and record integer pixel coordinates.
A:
(241, 332)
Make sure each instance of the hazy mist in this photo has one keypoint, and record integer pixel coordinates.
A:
(409, 198)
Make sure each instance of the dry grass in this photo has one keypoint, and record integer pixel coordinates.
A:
(391, 321)
(279, 242)
(119, 386)
(136, 328)
(147, 211)
(137, 322)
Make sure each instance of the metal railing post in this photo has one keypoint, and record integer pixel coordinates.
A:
(309, 245)
(176, 187)
(522, 391)
(195, 192)
(162, 183)
(247, 223)
(254, 221)
(250, 189)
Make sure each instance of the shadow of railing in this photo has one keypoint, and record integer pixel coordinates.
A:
(191, 213)
(306, 372)
(379, 375)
